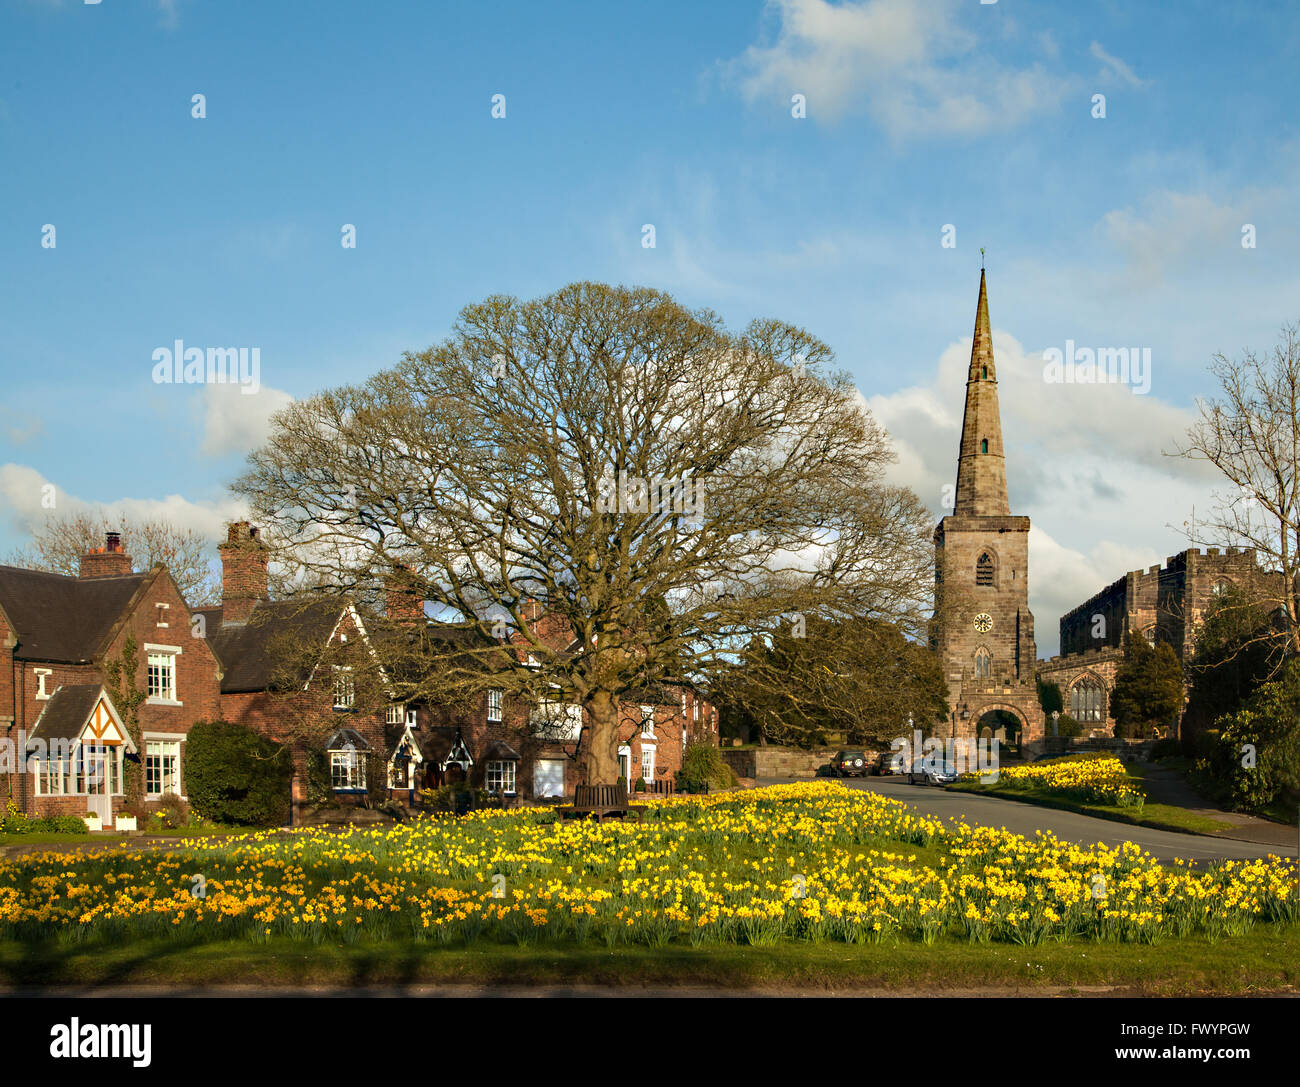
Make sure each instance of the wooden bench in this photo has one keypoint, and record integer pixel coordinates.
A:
(599, 802)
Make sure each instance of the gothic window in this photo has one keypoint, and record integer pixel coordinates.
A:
(1150, 635)
(1086, 699)
(983, 663)
(1220, 587)
(984, 570)
(984, 446)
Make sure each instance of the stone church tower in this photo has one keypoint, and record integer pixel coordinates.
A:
(983, 629)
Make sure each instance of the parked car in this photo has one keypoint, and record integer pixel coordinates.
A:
(850, 763)
(923, 773)
(885, 762)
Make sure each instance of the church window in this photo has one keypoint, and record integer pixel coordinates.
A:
(1085, 700)
(984, 570)
(984, 372)
(1220, 587)
(983, 663)
(984, 446)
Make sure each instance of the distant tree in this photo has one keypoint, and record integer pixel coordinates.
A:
(1251, 434)
(1050, 697)
(59, 542)
(1257, 757)
(1148, 690)
(858, 677)
(1234, 655)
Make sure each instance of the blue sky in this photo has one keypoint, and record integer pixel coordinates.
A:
(225, 231)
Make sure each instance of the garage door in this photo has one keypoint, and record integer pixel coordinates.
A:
(548, 777)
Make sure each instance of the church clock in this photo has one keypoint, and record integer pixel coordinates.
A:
(983, 622)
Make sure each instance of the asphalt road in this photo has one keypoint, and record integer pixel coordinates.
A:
(1021, 818)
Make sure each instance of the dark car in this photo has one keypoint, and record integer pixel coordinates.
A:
(847, 764)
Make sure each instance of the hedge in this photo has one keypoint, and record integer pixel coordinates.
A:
(236, 775)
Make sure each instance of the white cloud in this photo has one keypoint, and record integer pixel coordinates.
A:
(1174, 230)
(24, 496)
(909, 65)
(238, 422)
(1116, 66)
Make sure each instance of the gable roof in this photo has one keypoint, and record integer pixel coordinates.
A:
(67, 712)
(247, 651)
(61, 618)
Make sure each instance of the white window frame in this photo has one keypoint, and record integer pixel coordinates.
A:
(504, 770)
(41, 673)
(648, 722)
(175, 742)
(395, 715)
(352, 762)
(495, 698)
(343, 673)
(648, 749)
(152, 652)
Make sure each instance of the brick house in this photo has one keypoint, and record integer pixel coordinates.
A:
(57, 636)
(529, 750)
(285, 668)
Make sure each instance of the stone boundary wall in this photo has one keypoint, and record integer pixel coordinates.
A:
(776, 762)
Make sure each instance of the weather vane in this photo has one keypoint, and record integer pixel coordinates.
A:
(981, 258)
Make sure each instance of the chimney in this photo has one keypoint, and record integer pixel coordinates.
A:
(403, 601)
(243, 573)
(107, 561)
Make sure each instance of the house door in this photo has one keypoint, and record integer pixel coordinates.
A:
(548, 777)
(99, 787)
(625, 764)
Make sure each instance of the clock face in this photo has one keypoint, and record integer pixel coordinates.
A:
(983, 622)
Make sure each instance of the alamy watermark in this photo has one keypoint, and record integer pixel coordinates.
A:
(1103, 366)
(955, 756)
(181, 365)
(626, 493)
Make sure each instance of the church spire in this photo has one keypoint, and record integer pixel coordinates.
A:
(981, 468)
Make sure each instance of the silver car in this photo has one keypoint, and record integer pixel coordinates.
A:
(922, 773)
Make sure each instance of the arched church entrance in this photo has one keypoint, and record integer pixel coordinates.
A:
(1001, 723)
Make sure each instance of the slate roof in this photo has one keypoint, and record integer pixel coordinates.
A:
(498, 750)
(247, 651)
(60, 618)
(65, 713)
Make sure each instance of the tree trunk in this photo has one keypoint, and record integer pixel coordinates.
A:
(601, 758)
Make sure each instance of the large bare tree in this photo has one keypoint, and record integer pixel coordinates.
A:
(60, 540)
(1251, 435)
(605, 490)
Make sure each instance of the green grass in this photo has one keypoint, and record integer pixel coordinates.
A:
(1261, 961)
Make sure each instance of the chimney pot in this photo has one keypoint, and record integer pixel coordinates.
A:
(108, 561)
